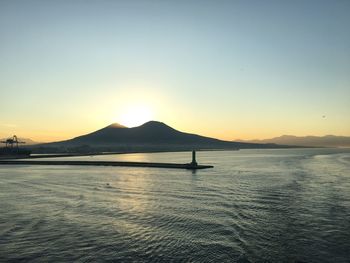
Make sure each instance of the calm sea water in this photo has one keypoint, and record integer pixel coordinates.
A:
(254, 206)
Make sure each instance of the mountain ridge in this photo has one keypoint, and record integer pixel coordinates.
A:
(309, 140)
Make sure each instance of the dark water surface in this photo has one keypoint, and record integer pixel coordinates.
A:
(254, 206)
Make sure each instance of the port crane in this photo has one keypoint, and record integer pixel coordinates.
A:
(12, 142)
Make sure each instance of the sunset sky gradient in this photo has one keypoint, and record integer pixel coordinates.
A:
(226, 69)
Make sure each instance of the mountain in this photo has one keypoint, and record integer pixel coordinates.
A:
(312, 141)
(151, 136)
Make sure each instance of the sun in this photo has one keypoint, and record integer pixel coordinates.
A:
(136, 115)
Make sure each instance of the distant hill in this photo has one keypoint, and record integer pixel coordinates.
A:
(313, 141)
(151, 136)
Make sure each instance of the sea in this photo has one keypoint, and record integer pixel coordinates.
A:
(282, 205)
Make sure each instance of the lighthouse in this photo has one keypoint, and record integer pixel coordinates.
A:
(194, 162)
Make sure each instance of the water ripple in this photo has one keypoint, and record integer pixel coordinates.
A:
(282, 206)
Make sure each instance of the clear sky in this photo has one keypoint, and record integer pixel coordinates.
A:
(226, 69)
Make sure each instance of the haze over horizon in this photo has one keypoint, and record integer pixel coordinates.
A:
(223, 69)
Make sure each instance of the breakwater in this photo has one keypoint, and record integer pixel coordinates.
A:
(189, 166)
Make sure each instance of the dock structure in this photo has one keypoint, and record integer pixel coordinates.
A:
(190, 166)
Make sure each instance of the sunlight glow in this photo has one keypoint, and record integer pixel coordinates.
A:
(136, 115)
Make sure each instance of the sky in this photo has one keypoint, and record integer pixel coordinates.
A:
(226, 69)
